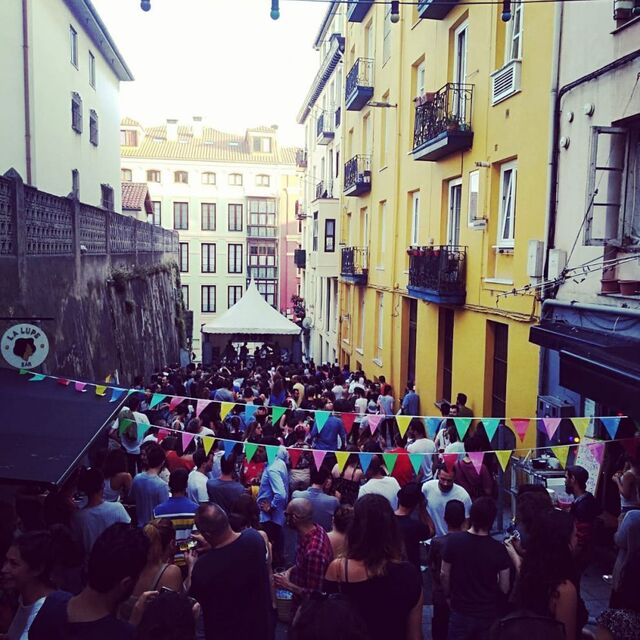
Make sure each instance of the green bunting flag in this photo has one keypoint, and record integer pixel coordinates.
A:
(277, 413)
(416, 460)
(124, 424)
(272, 452)
(250, 449)
(156, 400)
(390, 460)
(490, 426)
(37, 377)
(321, 419)
(462, 426)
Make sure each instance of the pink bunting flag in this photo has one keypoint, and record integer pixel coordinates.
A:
(162, 434)
(80, 386)
(175, 401)
(520, 425)
(374, 421)
(477, 458)
(201, 405)
(318, 457)
(186, 440)
(551, 426)
(597, 451)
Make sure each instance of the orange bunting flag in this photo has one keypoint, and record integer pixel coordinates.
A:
(342, 457)
(562, 453)
(403, 423)
(503, 458)
(581, 425)
(225, 407)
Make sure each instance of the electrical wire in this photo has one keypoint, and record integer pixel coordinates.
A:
(416, 3)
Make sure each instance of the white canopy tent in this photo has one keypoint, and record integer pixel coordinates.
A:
(251, 319)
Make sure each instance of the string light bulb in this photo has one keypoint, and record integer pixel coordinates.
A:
(395, 11)
(506, 10)
(145, 5)
(275, 9)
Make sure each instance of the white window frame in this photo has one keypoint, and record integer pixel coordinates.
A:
(421, 78)
(92, 70)
(386, 35)
(73, 45)
(361, 320)
(513, 39)
(509, 241)
(382, 233)
(474, 198)
(415, 218)
(379, 326)
(459, 77)
(453, 217)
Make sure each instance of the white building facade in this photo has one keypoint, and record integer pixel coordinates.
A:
(232, 200)
(60, 73)
(322, 114)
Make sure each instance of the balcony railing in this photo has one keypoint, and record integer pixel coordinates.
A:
(324, 128)
(300, 258)
(358, 9)
(301, 159)
(435, 9)
(261, 231)
(438, 273)
(324, 190)
(359, 86)
(357, 175)
(443, 122)
(354, 265)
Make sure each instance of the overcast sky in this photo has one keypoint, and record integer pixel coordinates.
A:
(225, 60)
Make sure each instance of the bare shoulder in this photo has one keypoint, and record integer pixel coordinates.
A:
(334, 570)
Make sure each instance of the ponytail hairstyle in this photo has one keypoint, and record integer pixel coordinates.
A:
(161, 534)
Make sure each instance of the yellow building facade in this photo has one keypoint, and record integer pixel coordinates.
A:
(445, 145)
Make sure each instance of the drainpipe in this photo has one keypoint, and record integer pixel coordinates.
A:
(26, 83)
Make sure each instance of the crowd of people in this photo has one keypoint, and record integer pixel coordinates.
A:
(155, 537)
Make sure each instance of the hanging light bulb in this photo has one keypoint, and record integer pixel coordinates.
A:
(395, 11)
(145, 5)
(506, 10)
(275, 9)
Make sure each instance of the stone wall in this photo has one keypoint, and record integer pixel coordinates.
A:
(104, 287)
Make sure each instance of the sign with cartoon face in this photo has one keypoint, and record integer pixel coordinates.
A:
(24, 346)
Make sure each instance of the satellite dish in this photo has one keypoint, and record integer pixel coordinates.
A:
(307, 323)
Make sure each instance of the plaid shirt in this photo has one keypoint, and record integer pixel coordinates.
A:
(313, 557)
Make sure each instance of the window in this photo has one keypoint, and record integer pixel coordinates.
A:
(268, 291)
(235, 179)
(453, 213)
(384, 132)
(629, 226)
(208, 299)
(75, 183)
(93, 127)
(513, 43)
(235, 217)
(262, 212)
(379, 325)
(362, 323)
(157, 212)
(415, 218)
(181, 177)
(500, 334)
(262, 180)
(474, 189)
(208, 216)
(107, 197)
(128, 138)
(507, 221)
(183, 256)
(181, 216)
(330, 235)
(421, 78)
(76, 112)
(92, 70)
(445, 327)
(262, 144)
(314, 246)
(382, 227)
(234, 258)
(262, 261)
(208, 177)
(153, 175)
(459, 67)
(126, 175)
(208, 255)
(386, 35)
(185, 295)
(234, 293)
(73, 43)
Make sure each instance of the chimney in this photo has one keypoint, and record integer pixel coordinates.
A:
(196, 127)
(172, 130)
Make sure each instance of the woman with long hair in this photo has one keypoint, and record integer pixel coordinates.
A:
(278, 393)
(347, 482)
(382, 587)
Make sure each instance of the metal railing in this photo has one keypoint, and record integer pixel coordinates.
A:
(324, 124)
(439, 268)
(357, 171)
(261, 231)
(360, 75)
(324, 190)
(353, 261)
(301, 159)
(448, 109)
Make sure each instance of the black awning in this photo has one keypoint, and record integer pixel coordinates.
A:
(46, 428)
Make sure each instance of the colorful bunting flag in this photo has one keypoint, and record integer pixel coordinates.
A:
(403, 424)
(520, 425)
(342, 457)
(249, 411)
(277, 413)
(477, 458)
(416, 460)
(581, 425)
(225, 407)
(142, 428)
(80, 386)
(229, 446)
(186, 440)
(101, 390)
(551, 426)
(432, 425)
(124, 424)
(63, 382)
(162, 434)
(318, 457)
(37, 377)
(321, 418)
(132, 391)
(201, 405)
(24, 371)
(450, 460)
(365, 461)
(175, 401)
(490, 426)
(503, 458)
(462, 426)
(611, 425)
(250, 449)
(562, 453)
(116, 394)
(207, 443)
(156, 399)
(597, 451)
(294, 456)
(272, 452)
(390, 460)
(374, 421)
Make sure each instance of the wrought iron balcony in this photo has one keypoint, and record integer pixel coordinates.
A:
(354, 265)
(300, 258)
(359, 86)
(324, 190)
(443, 122)
(324, 128)
(357, 176)
(301, 159)
(437, 273)
(261, 231)
(435, 9)
(358, 9)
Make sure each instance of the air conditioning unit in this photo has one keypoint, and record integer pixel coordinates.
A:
(553, 407)
(505, 81)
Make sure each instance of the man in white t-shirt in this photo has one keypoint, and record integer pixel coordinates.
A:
(380, 483)
(438, 492)
(422, 444)
(197, 485)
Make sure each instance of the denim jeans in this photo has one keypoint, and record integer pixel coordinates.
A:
(463, 627)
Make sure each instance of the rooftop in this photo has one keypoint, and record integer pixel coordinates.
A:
(135, 197)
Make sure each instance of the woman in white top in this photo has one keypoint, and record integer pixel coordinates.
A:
(117, 480)
(628, 483)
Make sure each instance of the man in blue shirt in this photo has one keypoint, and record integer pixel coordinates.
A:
(148, 489)
(411, 401)
(333, 435)
(272, 500)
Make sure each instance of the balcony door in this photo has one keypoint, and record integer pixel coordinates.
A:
(453, 218)
(460, 37)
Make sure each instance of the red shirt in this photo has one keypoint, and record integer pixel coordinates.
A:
(313, 556)
(402, 471)
(174, 461)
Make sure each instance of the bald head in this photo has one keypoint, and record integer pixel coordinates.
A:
(301, 510)
(212, 522)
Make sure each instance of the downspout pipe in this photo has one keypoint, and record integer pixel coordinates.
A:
(26, 89)
(553, 190)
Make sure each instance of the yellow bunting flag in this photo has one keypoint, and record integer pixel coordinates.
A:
(207, 443)
(225, 407)
(342, 457)
(101, 390)
(561, 453)
(503, 458)
(403, 424)
(581, 425)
